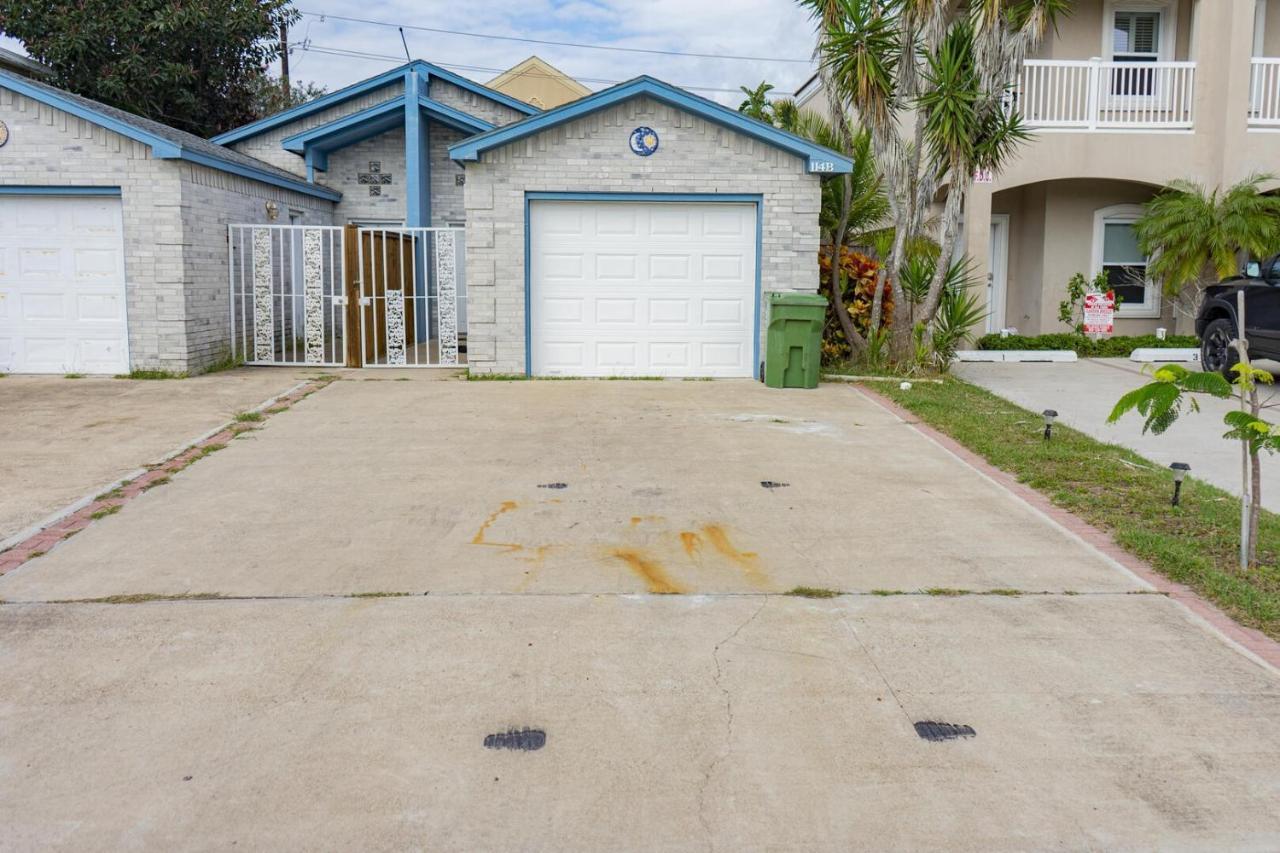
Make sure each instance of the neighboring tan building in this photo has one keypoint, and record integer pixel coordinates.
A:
(1126, 96)
(540, 83)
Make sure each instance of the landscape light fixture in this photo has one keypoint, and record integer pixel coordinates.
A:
(1180, 470)
(1049, 415)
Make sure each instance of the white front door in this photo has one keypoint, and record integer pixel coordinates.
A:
(627, 288)
(62, 285)
(997, 272)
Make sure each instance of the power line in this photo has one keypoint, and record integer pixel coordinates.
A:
(323, 15)
(360, 54)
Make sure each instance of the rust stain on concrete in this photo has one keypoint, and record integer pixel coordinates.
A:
(637, 520)
(649, 570)
(479, 538)
(692, 543)
(748, 561)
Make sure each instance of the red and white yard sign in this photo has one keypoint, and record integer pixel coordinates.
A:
(1099, 313)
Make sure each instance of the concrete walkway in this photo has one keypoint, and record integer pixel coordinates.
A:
(1084, 392)
(635, 616)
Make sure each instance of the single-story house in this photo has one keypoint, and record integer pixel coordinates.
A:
(633, 231)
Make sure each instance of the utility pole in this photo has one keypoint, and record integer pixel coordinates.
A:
(284, 61)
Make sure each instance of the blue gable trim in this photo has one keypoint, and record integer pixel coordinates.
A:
(817, 158)
(456, 119)
(349, 129)
(162, 148)
(424, 69)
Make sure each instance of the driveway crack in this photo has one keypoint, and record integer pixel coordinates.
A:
(728, 721)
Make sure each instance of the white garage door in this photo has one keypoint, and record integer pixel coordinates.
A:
(62, 304)
(642, 288)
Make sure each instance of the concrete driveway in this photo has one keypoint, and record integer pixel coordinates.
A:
(398, 578)
(1084, 392)
(62, 439)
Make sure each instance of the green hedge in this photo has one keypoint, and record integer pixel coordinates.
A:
(1102, 348)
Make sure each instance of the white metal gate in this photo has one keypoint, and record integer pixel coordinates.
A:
(413, 297)
(288, 294)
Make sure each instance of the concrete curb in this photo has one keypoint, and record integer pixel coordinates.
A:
(71, 519)
(1250, 642)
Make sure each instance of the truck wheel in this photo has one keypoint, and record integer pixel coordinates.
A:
(1216, 352)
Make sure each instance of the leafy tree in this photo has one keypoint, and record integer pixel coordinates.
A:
(195, 66)
(950, 64)
(270, 97)
(1195, 237)
(757, 104)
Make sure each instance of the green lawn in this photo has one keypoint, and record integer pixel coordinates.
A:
(1118, 491)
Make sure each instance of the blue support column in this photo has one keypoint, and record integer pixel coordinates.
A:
(416, 155)
(417, 151)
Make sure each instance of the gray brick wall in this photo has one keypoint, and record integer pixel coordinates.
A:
(591, 155)
(266, 146)
(212, 200)
(345, 166)
(471, 103)
(447, 198)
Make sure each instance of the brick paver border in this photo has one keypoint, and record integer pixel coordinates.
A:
(1250, 639)
(158, 474)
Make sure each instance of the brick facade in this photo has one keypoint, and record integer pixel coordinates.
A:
(590, 154)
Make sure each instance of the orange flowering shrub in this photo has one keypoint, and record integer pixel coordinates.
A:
(859, 289)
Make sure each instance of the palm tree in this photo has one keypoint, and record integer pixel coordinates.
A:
(756, 104)
(948, 63)
(1189, 232)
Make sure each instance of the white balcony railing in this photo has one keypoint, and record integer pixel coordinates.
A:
(1095, 95)
(1264, 93)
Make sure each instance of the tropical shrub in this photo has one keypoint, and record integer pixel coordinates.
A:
(857, 273)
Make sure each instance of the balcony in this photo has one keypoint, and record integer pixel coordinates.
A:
(1093, 95)
(1264, 93)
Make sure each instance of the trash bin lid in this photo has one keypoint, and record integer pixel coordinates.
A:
(802, 299)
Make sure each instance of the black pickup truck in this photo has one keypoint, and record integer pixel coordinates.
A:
(1216, 322)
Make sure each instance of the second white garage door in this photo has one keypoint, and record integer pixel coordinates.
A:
(62, 291)
(625, 288)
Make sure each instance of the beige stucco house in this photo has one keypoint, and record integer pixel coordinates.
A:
(538, 82)
(1124, 97)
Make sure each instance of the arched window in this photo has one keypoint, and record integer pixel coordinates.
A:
(1116, 252)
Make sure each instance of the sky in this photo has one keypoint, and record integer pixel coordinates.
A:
(768, 31)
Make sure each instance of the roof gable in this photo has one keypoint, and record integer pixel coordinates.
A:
(536, 66)
(166, 143)
(424, 69)
(818, 159)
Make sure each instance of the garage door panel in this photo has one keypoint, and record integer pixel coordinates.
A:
(724, 312)
(666, 312)
(616, 267)
(62, 285)
(670, 268)
(724, 355)
(42, 307)
(99, 307)
(723, 268)
(616, 311)
(617, 220)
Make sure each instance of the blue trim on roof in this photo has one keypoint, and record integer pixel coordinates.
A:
(456, 119)
(324, 102)
(161, 148)
(324, 135)
(77, 191)
(817, 158)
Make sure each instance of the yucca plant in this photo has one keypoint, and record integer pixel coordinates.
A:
(949, 63)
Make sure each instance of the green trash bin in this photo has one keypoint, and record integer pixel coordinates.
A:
(793, 344)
